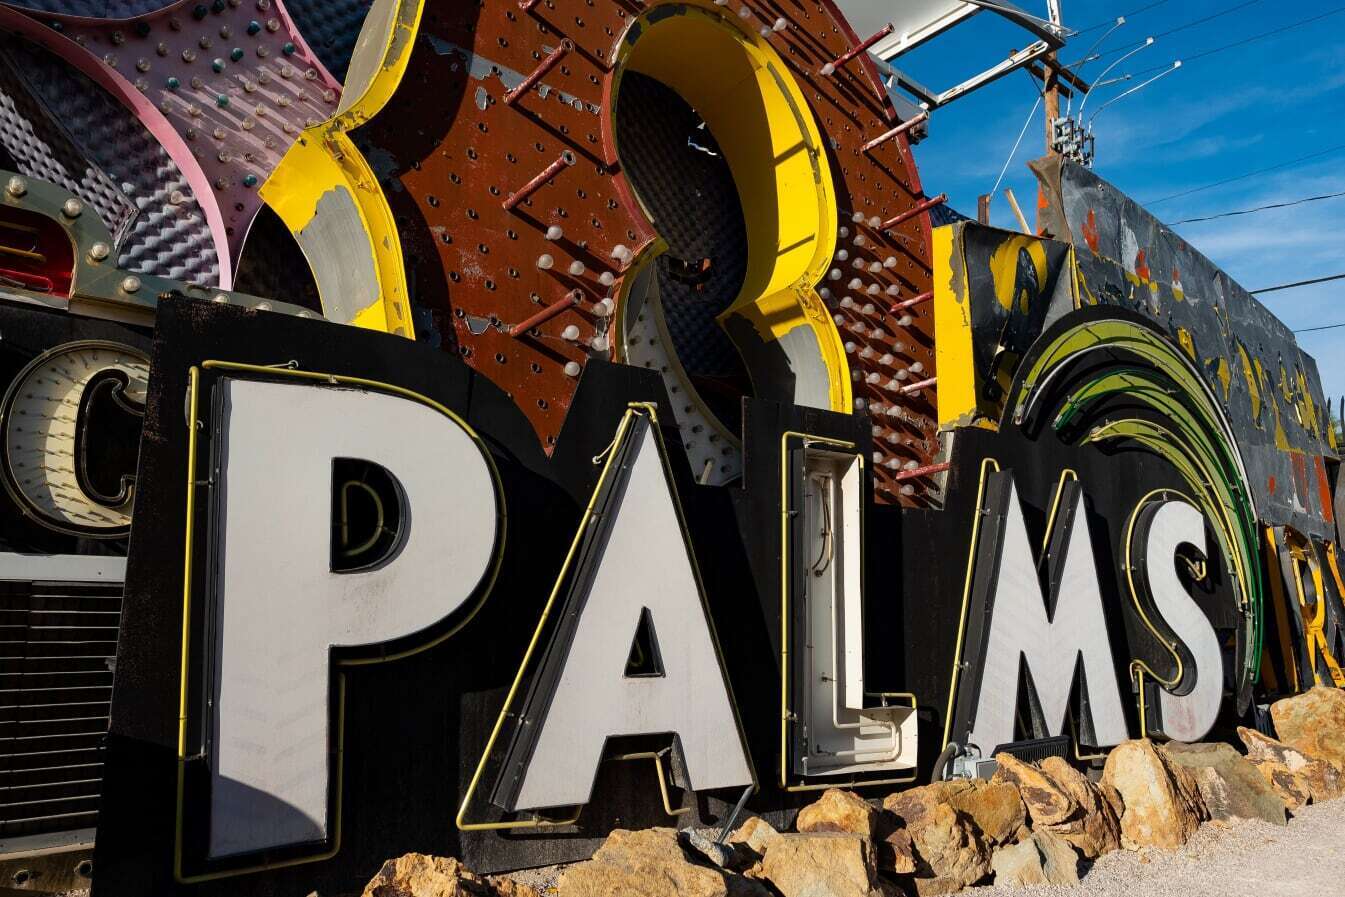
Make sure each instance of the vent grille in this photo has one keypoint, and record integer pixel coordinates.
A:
(57, 643)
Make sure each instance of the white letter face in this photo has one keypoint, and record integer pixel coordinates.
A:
(1051, 647)
(281, 609)
(1185, 717)
(645, 564)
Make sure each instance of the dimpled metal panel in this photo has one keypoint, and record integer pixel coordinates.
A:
(476, 262)
(691, 194)
(41, 148)
(93, 9)
(232, 80)
(331, 28)
(167, 236)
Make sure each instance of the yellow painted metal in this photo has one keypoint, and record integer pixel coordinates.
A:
(325, 161)
(957, 394)
(1004, 271)
(1136, 665)
(289, 370)
(744, 92)
(657, 757)
(1302, 553)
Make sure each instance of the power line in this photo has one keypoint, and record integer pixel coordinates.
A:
(1110, 21)
(1274, 205)
(1252, 39)
(1323, 327)
(1191, 24)
(1325, 152)
(1301, 283)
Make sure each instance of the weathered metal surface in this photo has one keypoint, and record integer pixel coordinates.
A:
(477, 268)
(225, 87)
(1268, 387)
(62, 127)
(85, 278)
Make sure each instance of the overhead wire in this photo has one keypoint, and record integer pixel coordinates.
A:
(1126, 15)
(1273, 205)
(1254, 38)
(1310, 156)
(1013, 152)
(1301, 283)
(1183, 27)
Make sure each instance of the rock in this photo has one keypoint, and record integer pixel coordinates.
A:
(936, 887)
(648, 863)
(754, 834)
(911, 805)
(896, 852)
(835, 864)
(1047, 803)
(1096, 828)
(948, 845)
(1058, 860)
(1232, 787)
(1317, 778)
(838, 811)
(1018, 864)
(419, 875)
(1313, 723)
(1043, 859)
(1287, 787)
(995, 807)
(1163, 806)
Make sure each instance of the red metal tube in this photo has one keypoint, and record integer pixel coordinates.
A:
(539, 73)
(570, 300)
(928, 470)
(919, 385)
(564, 160)
(898, 130)
(841, 60)
(923, 206)
(911, 303)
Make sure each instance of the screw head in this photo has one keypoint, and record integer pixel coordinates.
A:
(73, 208)
(99, 251)
(130, 284)
(16, 187)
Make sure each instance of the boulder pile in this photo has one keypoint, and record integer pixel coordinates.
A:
(1031, 824)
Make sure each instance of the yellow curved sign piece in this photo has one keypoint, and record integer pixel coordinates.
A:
(330, 199)
(761, 121)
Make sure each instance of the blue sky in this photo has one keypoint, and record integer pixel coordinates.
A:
(1269, 102)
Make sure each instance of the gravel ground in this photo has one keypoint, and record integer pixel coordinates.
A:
(1304, 859)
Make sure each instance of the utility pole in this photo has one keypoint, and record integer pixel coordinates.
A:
(1051, 95)
(1051, 91)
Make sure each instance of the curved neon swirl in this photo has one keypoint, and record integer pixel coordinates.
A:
(1195, 437)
